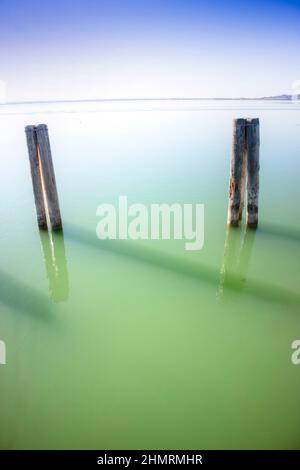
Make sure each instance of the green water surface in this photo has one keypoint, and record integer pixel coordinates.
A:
(142, 344)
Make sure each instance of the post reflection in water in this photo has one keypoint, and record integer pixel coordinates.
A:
(53, 249)
(237, 254)
(246, 252)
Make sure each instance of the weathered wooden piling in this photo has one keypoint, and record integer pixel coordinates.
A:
(237, 171)
(243, 183)
(49, 182)
(253, 143)
(35, 167)
(244, 163)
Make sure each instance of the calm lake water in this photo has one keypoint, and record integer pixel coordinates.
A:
(124, 344)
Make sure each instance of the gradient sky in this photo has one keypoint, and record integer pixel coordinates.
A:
(76, 49)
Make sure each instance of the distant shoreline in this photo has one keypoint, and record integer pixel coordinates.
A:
(110, 100)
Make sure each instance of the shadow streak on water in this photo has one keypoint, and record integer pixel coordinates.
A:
(53, 249)
(180, 265)
(280, 231)
(21, 297)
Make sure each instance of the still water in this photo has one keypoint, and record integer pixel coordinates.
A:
(142, 344)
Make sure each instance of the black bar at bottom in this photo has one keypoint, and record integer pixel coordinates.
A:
(134, 458)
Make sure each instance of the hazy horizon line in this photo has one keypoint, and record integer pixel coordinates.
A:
(101, 100)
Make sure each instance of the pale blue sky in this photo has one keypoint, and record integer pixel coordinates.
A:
(67, 49)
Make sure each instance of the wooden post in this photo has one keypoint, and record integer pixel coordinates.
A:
(35, 167)
(253, 142)
(48, 176)
(243, 184)
(236, 183)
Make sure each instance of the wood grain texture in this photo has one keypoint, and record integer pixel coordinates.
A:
(253, 144)
(237, 171)
(243, 183)
(35, 168)
(48, 176)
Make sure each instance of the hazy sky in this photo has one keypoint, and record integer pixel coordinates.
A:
(68, 49)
